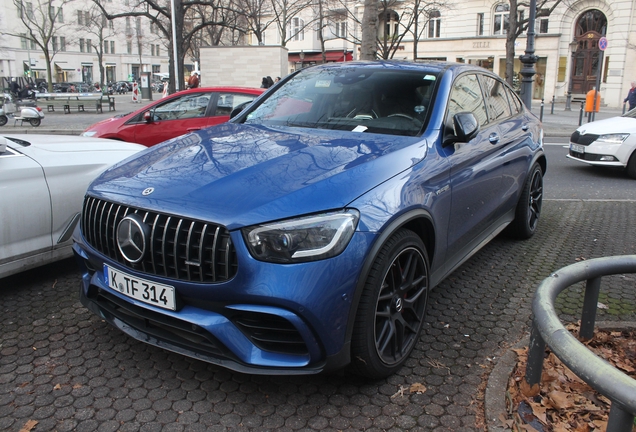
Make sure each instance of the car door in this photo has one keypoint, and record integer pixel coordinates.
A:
(174, 117)
(476, 171)
(25, 207)
(224, 103)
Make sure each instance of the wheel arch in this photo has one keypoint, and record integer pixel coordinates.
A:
(421, 223)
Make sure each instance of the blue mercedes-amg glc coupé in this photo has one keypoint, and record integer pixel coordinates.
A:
(305, 235)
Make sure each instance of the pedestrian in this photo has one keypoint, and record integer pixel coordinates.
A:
(14, 87)
(270, 82)
(193, 81)
(264, 83)
(631, 96)
(277, 79)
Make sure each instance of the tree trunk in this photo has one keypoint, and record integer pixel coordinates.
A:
(511, 37)
(368, 45)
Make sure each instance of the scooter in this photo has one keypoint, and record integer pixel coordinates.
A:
(9, 110)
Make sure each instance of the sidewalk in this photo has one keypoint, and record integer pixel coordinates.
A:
(559, 124)
(563, 123)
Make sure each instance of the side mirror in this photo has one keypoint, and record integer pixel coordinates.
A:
(3, 145)
(466, 126)
(236, 111)
(148, 117)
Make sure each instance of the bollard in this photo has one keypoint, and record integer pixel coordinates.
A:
(552, 107)
(581, 114)
(541, 112)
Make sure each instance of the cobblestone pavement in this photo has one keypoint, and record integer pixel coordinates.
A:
(64, 368)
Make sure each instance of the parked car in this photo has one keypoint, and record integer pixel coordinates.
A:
(44, 179)
(306, 233)
(610, 142)
(177, 114)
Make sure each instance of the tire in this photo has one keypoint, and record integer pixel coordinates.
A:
(3, 120)
(631, 166)
(392, 307)
(529, 206)
(35, 122)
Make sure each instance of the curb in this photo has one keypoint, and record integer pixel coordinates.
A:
(497, 386)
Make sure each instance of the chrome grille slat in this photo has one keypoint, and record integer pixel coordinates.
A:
(172, 243)
(200, 258)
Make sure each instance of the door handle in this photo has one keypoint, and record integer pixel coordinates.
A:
(493, 138)
(193, 129)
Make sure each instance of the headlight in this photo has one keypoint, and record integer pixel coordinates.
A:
(89, 133)
(303, 239)
(612, 138)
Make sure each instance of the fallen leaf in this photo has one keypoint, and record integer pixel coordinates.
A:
(29, 425)
(57, 387)
(417, 388)
(527, 390)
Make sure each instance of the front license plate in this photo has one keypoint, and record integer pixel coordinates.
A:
(152, 293)
(577, 148)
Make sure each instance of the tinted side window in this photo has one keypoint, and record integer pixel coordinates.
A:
(515, 103)
(466, 96)
(498, 106)
(188, 106)
(228, 101)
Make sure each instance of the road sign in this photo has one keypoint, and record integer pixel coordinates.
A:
(602, 43)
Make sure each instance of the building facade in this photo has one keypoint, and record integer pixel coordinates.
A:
(127, 46)
(474, 31)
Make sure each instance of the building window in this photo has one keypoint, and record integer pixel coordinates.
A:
(297, 30)
(112, 47)
(54, 43)
(340, 28)
(543, 25)
(128, 28)
(157, 50)
(81, 44)
(138, 25)
(111, 25)
(388, 25)
(62, 43)
(480, 24)
(434, 24)
(105, 47)
(23, 42)
(89, 47)
(152, 50)
(60, 15)
(502, 18)
(129, 47)
(80, 17)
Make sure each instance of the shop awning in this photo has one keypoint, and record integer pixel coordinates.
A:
(64, 67)
(332, 56)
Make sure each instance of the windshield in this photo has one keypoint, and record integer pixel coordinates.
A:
(359, 99)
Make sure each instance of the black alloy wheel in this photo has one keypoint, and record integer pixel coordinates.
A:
(392, 307)
(3, 120)
(529, 206)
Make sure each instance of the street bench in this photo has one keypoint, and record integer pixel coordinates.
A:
(80, 101)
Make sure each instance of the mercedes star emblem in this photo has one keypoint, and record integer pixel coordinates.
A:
(131, 238)
(148, 191)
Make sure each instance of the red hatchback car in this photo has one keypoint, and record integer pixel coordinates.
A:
(175, 115)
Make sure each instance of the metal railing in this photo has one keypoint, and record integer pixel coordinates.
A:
(547, 329)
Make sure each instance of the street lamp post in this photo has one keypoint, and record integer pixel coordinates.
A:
(568, 100)
(529, 59)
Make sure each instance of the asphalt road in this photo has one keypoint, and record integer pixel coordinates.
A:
(567, 179)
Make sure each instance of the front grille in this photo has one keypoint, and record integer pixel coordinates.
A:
(585, 139)
(271, 333)
(178, 248)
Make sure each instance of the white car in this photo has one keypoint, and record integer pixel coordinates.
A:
(609, 142)
(43, 179)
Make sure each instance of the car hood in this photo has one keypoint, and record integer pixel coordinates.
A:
(107, 122)
(239, 175)
(609, 126)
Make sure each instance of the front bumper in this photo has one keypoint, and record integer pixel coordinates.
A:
(269, 319)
